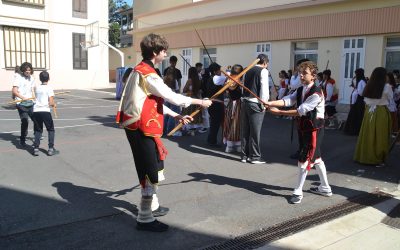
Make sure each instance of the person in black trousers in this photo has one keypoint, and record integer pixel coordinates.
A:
(252, 111)
(216, 111)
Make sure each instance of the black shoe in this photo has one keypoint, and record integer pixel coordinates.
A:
(214, 145)
(160, 211)
(154, 226)
(22, 143)
(295, 155)
(52, 151)
(35, 152)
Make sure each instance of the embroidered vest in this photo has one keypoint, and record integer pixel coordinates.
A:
(138, 108)
(309, 122)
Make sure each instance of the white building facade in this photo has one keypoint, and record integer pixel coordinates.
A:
(48, 33)
(341, 35)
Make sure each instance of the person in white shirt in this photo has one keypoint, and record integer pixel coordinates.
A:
(41, 114)
(141, 115)
(23, 92)
(356, 113)
(252, 111)
(310, 110)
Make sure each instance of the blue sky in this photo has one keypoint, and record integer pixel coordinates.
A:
(129, 2)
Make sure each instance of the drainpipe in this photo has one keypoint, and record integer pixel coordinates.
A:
(118, 51)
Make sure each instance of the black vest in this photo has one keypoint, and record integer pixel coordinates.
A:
(252, 80)
(309, 122)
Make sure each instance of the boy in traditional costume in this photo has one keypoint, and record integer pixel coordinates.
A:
(310, 110)
(141, 114)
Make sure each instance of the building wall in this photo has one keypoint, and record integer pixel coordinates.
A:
(235, 29)
(56, 17)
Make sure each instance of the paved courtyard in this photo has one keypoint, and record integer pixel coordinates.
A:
(87, 196)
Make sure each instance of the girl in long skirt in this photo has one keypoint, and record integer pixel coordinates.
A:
(232, 115)
(374, 138)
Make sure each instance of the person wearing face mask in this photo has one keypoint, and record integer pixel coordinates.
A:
(23, 92)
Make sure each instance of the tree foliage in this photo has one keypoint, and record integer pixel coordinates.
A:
(114, 19)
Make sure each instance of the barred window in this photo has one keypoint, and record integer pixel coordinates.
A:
(79, 8)
(33, 2)
(80, 59)
(25, 45)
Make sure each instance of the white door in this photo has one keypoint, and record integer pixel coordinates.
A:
(352, 59)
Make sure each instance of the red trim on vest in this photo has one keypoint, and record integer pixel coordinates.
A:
(334, 96)
(312, 148)
(144, 69)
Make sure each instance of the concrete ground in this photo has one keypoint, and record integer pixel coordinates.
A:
(86, 197)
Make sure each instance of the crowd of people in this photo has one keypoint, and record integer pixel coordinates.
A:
(152, 105)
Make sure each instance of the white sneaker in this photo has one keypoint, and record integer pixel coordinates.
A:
(295, 199)
(315, 190)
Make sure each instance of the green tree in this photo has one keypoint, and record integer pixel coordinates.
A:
(114, 19)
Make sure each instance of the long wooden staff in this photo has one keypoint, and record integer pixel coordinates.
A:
(33, 98)
(227, 75)
(242, 85)
(184, 59)
(225, 87)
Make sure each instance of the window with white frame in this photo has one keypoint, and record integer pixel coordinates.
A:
(392, 53)
(25, 45)
(264, 48)
(164, 64)
(187, 55)
(204, 56)
(27, 2)
(307, 50)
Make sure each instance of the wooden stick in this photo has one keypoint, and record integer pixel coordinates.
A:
(33, 98)
(55, 112)
(244, 87)
(225, 87)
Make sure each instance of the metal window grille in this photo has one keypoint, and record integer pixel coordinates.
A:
(80, 58)
(25, 45)
(79, 8)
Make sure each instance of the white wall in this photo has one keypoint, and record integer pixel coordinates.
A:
(57, 18)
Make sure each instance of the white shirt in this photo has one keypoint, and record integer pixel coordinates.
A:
(384, 100)
(295, 82)
(43, 92)
(313, 101)
(358, 91)
(219, 80)
(264, 90)
(25, 85)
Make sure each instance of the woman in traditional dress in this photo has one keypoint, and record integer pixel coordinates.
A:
(232, 115)
(356, 113)
(374, 138)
